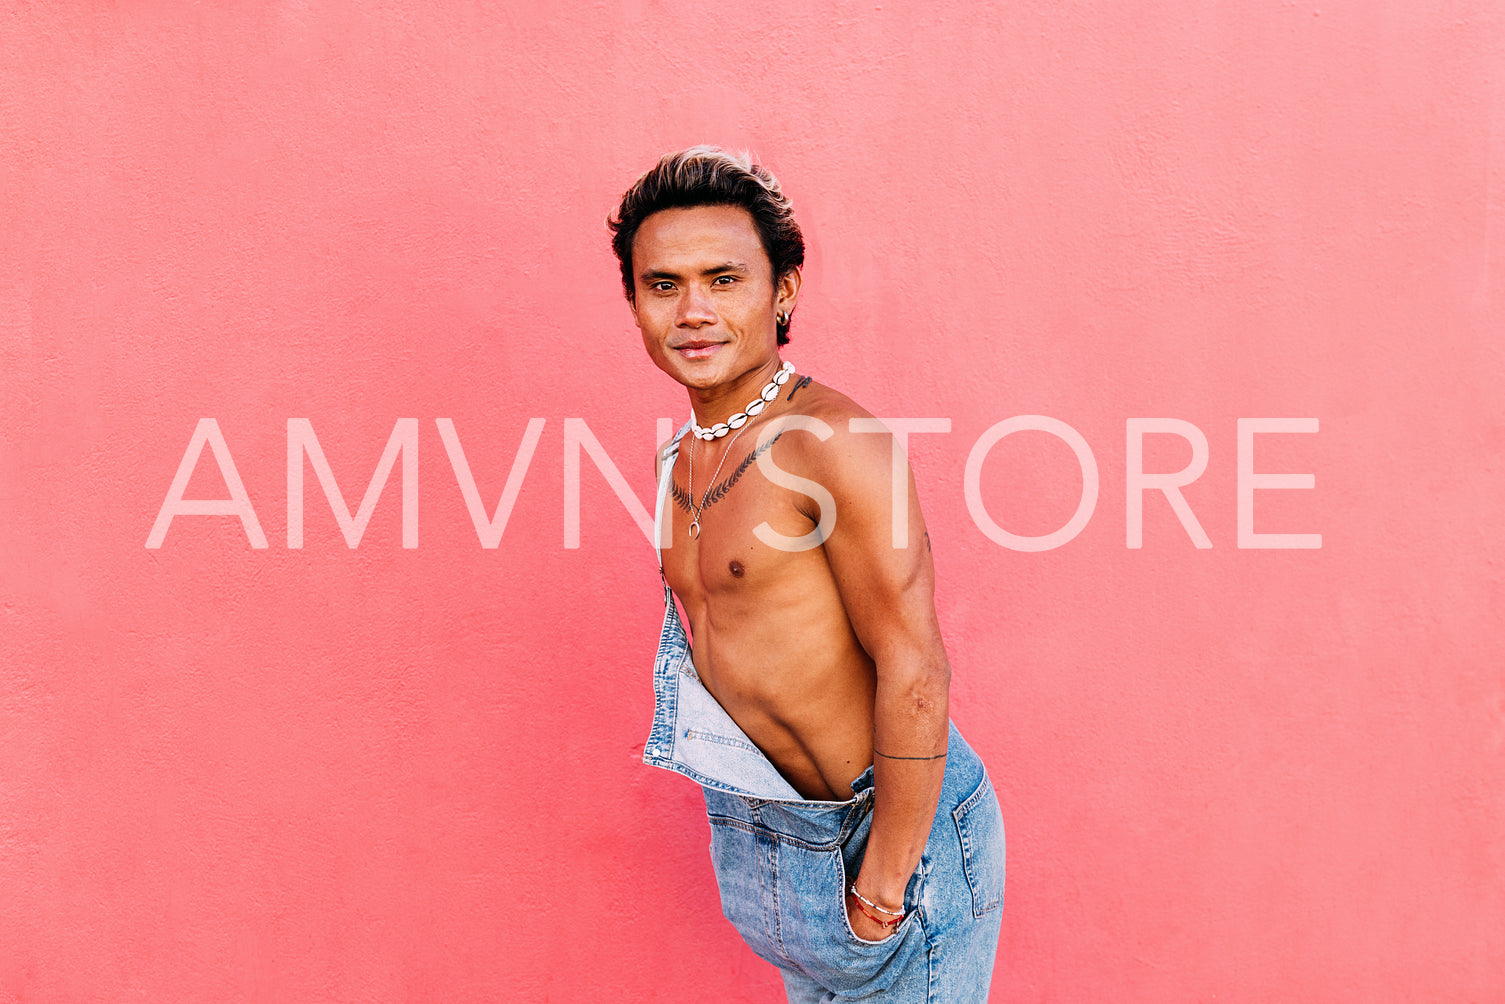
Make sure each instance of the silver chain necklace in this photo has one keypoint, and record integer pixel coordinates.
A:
(695, 513)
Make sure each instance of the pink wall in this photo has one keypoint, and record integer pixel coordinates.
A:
(390, 774)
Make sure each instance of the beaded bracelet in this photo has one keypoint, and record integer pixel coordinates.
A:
(864, 900)
(877, 919)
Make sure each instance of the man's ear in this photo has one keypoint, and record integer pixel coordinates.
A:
(788, 289)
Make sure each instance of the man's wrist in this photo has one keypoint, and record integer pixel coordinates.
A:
(878, 910)
(884, 901)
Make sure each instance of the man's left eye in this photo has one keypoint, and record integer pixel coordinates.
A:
(726, 280)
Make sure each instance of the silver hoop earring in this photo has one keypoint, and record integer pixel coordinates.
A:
(783, 317)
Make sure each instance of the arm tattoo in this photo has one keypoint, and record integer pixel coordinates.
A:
(714, 495)
(885, 756)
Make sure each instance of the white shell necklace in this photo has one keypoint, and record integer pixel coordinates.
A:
(737, 421)
(754, 408)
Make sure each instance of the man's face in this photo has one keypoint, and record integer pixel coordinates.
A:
(706, 299)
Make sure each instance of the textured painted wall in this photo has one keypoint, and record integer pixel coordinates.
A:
(390, 773)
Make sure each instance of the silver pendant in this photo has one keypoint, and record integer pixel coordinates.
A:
(694, 529)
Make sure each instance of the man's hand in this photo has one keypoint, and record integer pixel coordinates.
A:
(867, 930)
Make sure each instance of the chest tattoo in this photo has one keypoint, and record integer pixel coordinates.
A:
(682, 497)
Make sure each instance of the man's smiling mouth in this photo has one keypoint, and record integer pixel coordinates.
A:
(697, 349)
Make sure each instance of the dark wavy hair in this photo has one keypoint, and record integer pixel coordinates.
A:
(710, 176)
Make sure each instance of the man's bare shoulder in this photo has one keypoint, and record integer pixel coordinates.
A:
(825, 403)
(850, 451)
(858, 469)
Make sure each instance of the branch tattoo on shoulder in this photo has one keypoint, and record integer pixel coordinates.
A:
(682, 497)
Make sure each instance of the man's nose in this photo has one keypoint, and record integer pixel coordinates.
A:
(695, 309)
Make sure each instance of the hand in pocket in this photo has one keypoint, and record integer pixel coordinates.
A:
(862, 926)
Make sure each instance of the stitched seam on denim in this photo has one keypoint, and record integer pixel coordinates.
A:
(855, 815)
(731, 821)
(702, 780)
(711, 737)
(976, 796)
(671, 711)
(969, 869)
(777, 836)
(929, 963)
(665, 635)
(715, 785)
(661, 732)
(666, 696)
(778, 906)
(841, 881)
(978, 907)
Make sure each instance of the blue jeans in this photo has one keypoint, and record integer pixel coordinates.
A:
(783, 862)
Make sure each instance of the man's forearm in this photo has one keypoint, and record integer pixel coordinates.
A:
(910, 726)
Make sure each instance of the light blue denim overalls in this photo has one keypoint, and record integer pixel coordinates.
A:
(782, 862)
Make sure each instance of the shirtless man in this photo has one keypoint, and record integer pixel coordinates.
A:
(857, 841)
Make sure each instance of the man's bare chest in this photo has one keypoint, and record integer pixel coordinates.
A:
(711, 536)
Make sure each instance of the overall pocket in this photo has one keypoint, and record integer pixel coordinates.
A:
(846, 922)
(979, 826)
(818, 936)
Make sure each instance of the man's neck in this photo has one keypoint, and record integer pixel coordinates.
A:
(716, 404)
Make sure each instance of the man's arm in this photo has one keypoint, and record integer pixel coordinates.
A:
(888, 594)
